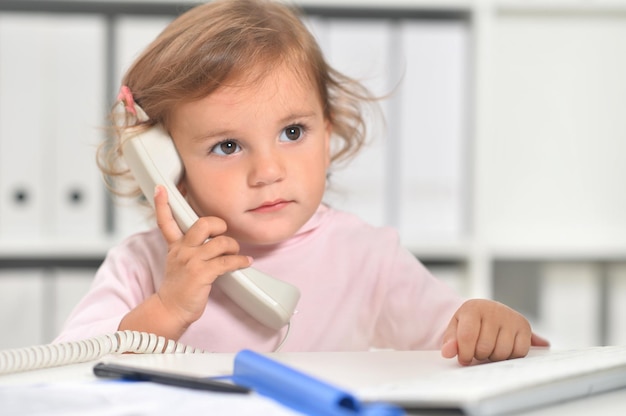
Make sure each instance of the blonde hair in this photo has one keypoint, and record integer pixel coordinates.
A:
(231, 41)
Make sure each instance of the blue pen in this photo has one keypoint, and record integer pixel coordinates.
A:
(300, 391)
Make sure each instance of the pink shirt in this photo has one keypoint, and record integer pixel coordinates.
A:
(359, 290)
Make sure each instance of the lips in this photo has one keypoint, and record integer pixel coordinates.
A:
(271, 206)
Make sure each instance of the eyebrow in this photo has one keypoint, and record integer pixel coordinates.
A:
(212, 134)
(229, 132)
(295, 116)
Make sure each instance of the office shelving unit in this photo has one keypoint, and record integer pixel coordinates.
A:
(500, 161)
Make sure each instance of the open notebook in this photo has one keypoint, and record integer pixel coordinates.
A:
(424, 380)
(507, 386)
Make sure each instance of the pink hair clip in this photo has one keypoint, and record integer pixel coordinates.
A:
(126, 97)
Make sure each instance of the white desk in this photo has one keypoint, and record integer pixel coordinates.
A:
(341, 369)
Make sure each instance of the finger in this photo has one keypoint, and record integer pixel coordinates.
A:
(467, 336)
(503, 346)
(537, 341)
(449, 347)
(521, 345)
(164, 217)
(486, 343)
(203, 229)
(513, 340)
(218, 246)
(230, 263)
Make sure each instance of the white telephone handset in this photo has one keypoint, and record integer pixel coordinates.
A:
(154, 160)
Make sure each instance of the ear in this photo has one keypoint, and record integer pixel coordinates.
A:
(182, 185)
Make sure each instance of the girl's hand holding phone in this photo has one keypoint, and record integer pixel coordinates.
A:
(193, 263)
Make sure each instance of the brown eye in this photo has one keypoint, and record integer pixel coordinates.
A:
(292, 133)
(227, 147)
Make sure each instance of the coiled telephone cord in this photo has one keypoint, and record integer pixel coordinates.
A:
(53, 355)
(73, 352)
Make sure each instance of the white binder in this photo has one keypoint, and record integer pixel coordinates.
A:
(617, 304)
(79, 113)
(23, 308)
(70, 285)
(570, 304)
(433, 131)
(51, 107)
(361, 50)
(556, 133)
(23, 159)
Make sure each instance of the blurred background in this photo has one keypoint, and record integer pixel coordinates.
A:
(500, 161)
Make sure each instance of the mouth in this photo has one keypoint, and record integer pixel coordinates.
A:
(271, 206)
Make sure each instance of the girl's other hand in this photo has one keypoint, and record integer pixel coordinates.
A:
(487, 330)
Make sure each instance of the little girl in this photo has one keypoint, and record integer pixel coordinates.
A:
(258, 118)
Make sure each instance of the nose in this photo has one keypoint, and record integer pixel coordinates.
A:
(267, 167)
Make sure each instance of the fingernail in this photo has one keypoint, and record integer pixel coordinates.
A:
(250, 260)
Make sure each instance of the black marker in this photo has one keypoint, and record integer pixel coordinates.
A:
(109, 370)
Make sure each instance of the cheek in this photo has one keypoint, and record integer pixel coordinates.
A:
(315, 171)
(208, 191)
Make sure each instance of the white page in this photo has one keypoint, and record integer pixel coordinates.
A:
(119, 398)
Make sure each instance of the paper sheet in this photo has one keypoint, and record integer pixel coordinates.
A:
(121, 398)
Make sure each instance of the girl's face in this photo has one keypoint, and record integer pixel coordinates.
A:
(255, 156)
